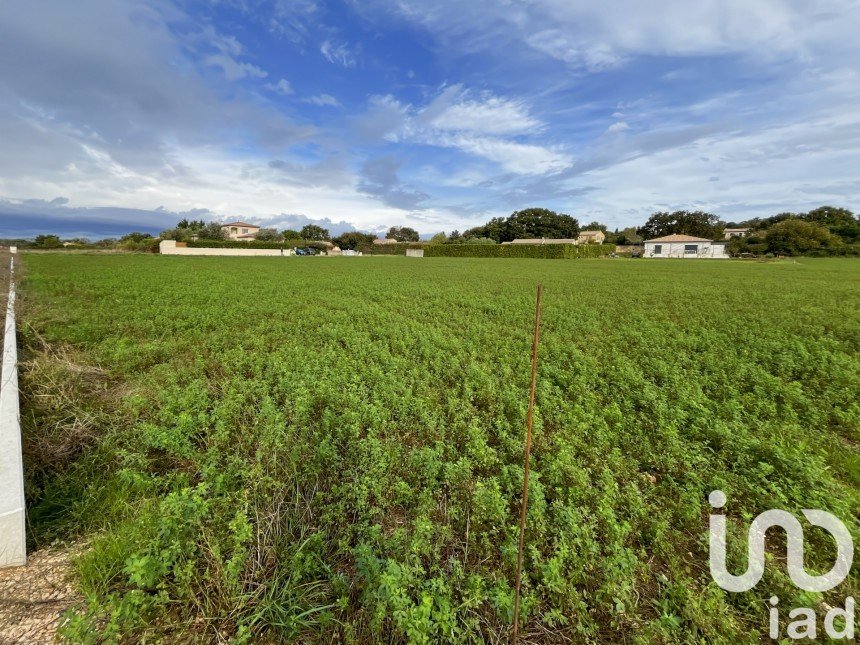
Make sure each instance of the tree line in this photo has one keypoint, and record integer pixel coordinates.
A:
(826, 230)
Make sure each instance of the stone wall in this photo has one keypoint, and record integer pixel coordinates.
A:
(170, 247)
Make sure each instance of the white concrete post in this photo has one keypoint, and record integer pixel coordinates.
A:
(13, 545)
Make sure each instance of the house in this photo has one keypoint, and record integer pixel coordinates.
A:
(386, 240)
(736, 232)
(591, 237)
(240, 230)
(684, 246)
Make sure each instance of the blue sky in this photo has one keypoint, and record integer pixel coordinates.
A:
(119, 115)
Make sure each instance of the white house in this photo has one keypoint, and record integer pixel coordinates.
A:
(736, 232)
(684, 246)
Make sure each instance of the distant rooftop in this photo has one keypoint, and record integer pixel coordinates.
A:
(245, 224)
(679, 238)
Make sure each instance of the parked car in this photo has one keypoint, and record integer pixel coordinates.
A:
(306, 251)
(636, 254)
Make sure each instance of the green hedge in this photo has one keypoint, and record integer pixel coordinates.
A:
(255, 244)
(544, 251)
(390, 249)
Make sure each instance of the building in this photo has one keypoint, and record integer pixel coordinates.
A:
(240, 230)
(591, 237)
(380, 241)
(684, 246)
(736, 232)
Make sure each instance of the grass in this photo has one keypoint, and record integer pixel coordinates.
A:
(315, 448)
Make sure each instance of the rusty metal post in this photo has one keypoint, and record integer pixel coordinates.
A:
(527, 459)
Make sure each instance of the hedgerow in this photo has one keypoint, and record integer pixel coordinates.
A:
(255, 244)
(390, 249)
(543, 251)
(280, 452)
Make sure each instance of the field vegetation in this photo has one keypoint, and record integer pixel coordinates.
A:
(269, 449)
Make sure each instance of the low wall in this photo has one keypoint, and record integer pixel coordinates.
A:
(414, 253)
(170, 247)
(13, 544)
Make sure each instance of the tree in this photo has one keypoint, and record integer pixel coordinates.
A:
(528, 223)
(314, 233)
(800, 237)
(47, 241)
(402, 234)
(291, 234)
(595, 226)
(192, 224)
(352, 240)
(211, 231)
(839, 221)
(439, 238)
(627, 236)
(695, 223)
(267, 235)
(135, 237)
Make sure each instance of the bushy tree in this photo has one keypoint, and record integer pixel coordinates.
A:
(314, 233)
(800, 237)
(439, 238)
(402, 234)
(267, 235)
(594, 226)
(135, 237)
(47, 241)
(291, 234)
(696, 223)
(193, 224)
(211, 231)
(529, 223)
(352, 240)
(627, 236)
(839, 221)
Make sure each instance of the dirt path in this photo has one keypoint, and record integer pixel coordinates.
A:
(32, 598)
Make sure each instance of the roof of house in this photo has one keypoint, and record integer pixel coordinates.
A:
(591, 233)
(737, 229)
(245, 224)
(386, 240)
(675, 237)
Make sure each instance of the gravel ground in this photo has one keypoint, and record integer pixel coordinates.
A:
(33, 597)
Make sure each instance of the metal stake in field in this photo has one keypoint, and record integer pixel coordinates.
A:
(527, 459)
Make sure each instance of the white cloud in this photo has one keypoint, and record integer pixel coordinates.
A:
(282, 87)
(322, 100)
(481, 125)
(233, 69)
(519, 158)
(338, 52)
(489, 115)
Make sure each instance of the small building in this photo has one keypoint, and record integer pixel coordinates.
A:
(684, 246)
(591, 237)
(240, 230)
(729, 233)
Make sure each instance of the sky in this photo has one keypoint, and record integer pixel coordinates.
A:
(119, 115)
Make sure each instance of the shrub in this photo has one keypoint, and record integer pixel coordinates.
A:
(545, 251)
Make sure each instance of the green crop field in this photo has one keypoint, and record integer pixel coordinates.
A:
(330, 449)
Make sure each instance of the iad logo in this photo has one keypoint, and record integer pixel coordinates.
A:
(805, 627)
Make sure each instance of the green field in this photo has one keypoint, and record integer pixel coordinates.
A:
(331, 448)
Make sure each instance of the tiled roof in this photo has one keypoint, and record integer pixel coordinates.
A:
(679, 238)
(245, 224)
